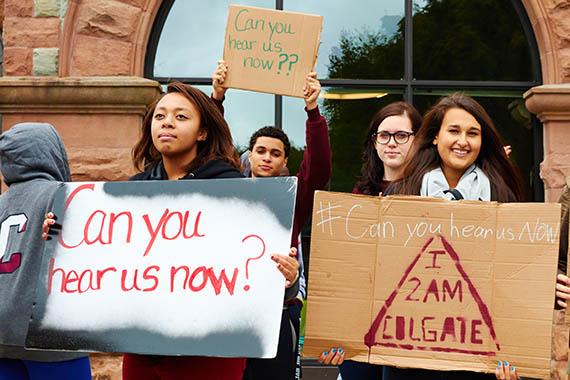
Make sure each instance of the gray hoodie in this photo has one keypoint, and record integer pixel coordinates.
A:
(33, 164)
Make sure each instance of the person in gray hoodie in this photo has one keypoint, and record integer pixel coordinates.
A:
(33, 163)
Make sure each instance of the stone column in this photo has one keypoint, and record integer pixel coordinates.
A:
(98, 117)
(551, 103)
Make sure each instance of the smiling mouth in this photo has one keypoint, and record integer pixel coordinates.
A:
(460, 152)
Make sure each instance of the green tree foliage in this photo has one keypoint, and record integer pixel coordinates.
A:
(453, 40)
(470, 40)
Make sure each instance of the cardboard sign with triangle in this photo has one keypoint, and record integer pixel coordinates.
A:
(424, 329)
(427, 283)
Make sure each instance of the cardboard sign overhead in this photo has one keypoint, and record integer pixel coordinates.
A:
(166, 268)
(269, 50)
(427, 283)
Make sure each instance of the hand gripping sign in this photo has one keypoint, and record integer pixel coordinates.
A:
(427, 283)
(166, 267)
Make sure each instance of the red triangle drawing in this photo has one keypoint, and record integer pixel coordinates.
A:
(396, 326)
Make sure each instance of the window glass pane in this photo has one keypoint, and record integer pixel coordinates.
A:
(360, 39)
(192, 39)
(512, 119)
(348, 113)
(245, 113)
(294, 118)
(469, 40)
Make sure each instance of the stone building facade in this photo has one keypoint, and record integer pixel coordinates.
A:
(78, 64)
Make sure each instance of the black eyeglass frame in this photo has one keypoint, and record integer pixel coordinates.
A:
(392, 135)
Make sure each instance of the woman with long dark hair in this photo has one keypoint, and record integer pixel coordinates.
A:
(458, 154)
(184, 136)
(202, 139)
(458, 147)
(388, 141)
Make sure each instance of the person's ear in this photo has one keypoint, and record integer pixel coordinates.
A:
(434, 142)
(285, 161)
(202, 135)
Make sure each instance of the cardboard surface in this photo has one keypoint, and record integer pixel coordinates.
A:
(427, 283)
(166, 267)
(269, 50)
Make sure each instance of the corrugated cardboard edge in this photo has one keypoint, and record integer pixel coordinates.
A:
(315, 53)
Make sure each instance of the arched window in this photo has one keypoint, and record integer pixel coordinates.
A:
(372, 53)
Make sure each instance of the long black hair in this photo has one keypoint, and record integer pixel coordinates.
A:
(506, 185)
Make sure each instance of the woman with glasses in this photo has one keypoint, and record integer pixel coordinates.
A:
(386, 147)
(457, 154)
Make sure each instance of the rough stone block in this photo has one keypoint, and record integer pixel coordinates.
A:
(560, 343)
(100, 56)
(17, 61)
(31, 32)
(564, 61)
(47, 8)
(46, 61)
(558, 370)
(106, 366)
(560, 23)
(136, 3)
(108, 165)
(19, 8)
(109, 19)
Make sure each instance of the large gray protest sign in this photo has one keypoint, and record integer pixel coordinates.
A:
(166, 267)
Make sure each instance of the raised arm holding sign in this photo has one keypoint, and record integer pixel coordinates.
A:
(183, 265)
(267, 157)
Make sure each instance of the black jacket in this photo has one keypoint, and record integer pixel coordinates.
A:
(211, 169)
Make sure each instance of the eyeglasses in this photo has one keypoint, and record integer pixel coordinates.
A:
(400, 137)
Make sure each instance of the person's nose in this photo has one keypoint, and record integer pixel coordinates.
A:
(167, 122)
(462, 140)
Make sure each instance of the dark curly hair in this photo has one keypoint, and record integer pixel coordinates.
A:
(274, 132)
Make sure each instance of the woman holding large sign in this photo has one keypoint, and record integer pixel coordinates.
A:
(458, 154)
(388, 141)
(184, 136)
